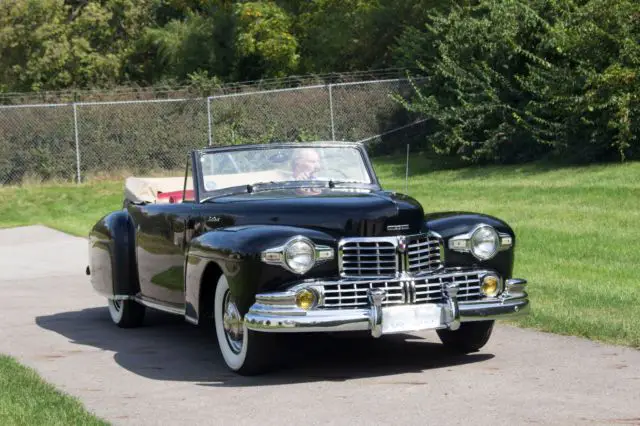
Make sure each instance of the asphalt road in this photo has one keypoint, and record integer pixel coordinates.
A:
(168, 372)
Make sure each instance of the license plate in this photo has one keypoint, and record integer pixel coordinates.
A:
(397, 319)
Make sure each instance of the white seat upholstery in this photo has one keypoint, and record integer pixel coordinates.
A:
(146, 189)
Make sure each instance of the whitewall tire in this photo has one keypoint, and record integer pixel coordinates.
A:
(244, 351)
(126, 313)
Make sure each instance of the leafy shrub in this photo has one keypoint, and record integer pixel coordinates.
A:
(518, 80)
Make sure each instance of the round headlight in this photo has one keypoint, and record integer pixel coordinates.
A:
(484, 242)
(300, 256)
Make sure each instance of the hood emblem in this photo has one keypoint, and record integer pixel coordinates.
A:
(397, 227)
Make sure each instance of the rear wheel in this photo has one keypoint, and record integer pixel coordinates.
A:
(470, 337)
(244, 351)
(126, 313)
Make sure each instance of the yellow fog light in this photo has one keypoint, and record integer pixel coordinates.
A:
(306, 299)
(490, 285)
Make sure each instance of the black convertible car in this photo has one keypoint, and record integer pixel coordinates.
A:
(257, 240)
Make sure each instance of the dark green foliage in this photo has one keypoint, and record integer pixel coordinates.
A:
(59, 44)
(506, 80)
(517, 80)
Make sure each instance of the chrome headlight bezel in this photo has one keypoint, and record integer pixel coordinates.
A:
(294, 264)
(475, 245)
(280, 255)
(464, 243)
(499, 285)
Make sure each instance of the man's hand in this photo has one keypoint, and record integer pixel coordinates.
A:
(310, 175)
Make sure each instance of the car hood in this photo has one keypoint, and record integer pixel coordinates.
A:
(342, 212)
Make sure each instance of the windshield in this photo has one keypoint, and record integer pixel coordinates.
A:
(284, 164)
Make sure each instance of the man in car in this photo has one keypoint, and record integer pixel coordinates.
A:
(305, 164)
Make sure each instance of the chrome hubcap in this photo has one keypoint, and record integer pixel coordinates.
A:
(232, 323)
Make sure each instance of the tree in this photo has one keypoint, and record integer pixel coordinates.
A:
(264, 44)
(515, 80)
(34, 45)
(49, 44)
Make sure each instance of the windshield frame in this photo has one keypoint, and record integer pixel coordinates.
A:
(202, 195)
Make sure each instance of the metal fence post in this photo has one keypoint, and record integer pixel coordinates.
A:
(333, 131)
(209, 120)
(75, 127)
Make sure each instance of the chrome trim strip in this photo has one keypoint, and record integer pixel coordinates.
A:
(191, 320)
(508, 308)
(159, 306)
(122, 297)
(313, 321)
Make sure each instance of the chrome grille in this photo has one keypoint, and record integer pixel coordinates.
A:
(423, 253)
(368, 258)
(428, 289)
(353, 294)
(388, 256)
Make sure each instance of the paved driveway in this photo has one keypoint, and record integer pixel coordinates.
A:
(168, 372)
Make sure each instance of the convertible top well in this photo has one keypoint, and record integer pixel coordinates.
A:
(155, 190)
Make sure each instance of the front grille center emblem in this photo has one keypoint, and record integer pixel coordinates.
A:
(402, 245)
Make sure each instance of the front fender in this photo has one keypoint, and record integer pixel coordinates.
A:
(236, 251)
(449, 224)
(112, 262)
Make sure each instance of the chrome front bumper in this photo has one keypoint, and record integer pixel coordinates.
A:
(274, 312)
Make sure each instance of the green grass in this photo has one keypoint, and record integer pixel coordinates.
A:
(27, 400)
(578, 238)
(68, 207)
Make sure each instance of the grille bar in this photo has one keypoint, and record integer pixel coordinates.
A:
(468, 285)
(423, 254)
(388, 256)
(425, 289)
(368, 257)
(365, 249)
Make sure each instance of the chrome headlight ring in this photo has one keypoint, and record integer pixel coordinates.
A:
(298, 255)
(481, 234)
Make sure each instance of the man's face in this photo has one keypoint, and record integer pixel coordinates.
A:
(307, 163)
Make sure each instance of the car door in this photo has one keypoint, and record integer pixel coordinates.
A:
(160, 231)
(161, 234)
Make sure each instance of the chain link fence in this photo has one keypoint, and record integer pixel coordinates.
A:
(88, 140)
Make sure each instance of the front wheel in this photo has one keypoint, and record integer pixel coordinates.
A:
(126, 313)
(244, 351)
(470, 337)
